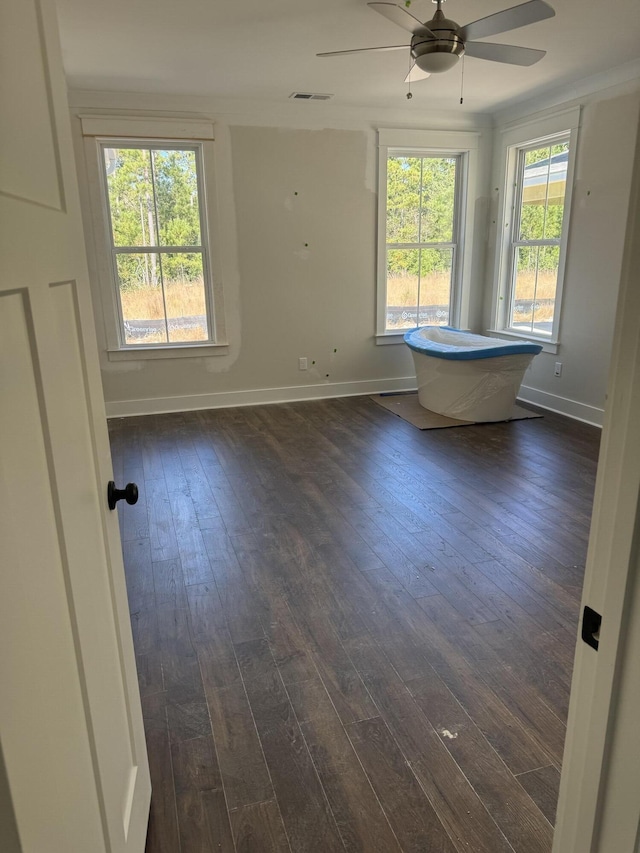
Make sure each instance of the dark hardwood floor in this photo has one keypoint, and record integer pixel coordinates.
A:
(350, 634)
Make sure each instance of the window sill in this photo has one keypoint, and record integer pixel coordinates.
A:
(190, 351)
(391, 338)
(547, 345)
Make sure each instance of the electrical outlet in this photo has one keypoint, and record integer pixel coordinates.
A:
(302, 364)
(558, 369)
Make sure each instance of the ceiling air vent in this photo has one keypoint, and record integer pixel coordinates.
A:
(309, 96)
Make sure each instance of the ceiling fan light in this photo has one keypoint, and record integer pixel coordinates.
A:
(436, 63)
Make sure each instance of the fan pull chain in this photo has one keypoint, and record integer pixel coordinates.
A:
(409, 93)
(462, 82)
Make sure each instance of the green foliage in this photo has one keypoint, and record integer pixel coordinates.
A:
(420, 207)
(540, 219)
(153, 200)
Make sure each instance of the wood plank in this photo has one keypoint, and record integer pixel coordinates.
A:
(336, 668)
(511, 685)
(307, 818)
(144, 627)
(242, 603)
(242, 765)
(458, 807)
(410, 813)
(518, 817)
(361, 821)
(206, 613)
(180, 668)
(187, 721)
(161, 531)
(543, 786)
(439, 695)
(202, 814)
(162, 835)
(137, 565)
(168, 582)
(149, 668)
(289, 648)
(258, 829)
(195, 765)
(135, 520)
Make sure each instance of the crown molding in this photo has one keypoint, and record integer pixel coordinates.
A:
(619, 80)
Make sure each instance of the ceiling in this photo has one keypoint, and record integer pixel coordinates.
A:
(265, 49)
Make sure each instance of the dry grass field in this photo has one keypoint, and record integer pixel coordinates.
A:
(184, 299)
(402, 290)
(178, 336)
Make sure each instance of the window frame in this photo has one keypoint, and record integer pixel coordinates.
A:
(459, 144)
(560, 127)
(203, 248)
(145, 133)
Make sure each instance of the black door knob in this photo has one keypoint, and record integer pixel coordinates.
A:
(129, 493)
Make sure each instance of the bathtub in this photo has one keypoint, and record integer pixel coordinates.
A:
(465, 376)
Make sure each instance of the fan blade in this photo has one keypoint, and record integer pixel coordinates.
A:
(364, 50)
(508, 53)
(416, 74)
(401, 17)
(509, 19)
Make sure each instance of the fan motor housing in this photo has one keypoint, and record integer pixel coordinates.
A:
(439, 54)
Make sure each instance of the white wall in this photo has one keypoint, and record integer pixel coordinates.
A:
(284, 299)
(594, 258)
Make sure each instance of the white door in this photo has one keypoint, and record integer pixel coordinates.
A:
(73, 767)
(599, 807)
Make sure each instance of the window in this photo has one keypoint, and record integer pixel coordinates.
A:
(423, 194)
(422, 239)
(159, 258)
(541, 180)
(154, 211)
(535, 218)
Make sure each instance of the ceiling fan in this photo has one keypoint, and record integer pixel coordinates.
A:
(437, 45)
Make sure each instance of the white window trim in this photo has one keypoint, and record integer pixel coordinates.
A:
(114, 130)
(443, 143)
(514, 137)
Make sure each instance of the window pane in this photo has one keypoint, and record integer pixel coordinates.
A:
(184, 295)
(141, 298)
(543, 191)
(176, 185)
(435, 286)
(535, 281)
(544, 307)
(130, 187)
(420, 199)
(403, 199)
(418, 278)
(438, 196)
(403, 275)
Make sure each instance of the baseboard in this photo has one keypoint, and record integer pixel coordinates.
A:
(259, 396)
(562, 406)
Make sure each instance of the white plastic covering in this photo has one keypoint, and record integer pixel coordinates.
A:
(454, 344)
(481, 389)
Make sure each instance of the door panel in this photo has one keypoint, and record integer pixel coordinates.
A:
(25, 84)
(70, 717)
(35, 618)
